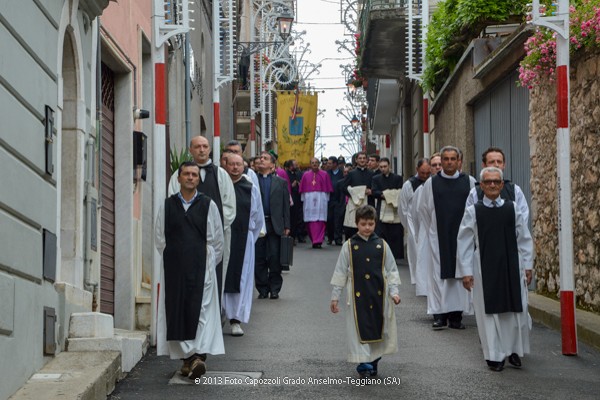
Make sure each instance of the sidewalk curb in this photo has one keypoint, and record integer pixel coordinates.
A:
(547, 311)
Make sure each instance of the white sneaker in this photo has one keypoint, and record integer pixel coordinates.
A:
(236, 330)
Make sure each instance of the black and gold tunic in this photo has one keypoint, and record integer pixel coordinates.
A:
(367, 260)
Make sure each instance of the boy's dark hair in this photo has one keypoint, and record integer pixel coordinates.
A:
(365, 212)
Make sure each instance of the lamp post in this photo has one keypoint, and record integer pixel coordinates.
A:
(279, 71)
(267, 11)
(559, 23)
(352, 139)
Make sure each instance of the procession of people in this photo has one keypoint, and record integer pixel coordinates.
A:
(466, 243)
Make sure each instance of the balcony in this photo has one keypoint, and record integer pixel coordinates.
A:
(383, 28)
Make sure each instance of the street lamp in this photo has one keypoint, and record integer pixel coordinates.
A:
(284, 28)
(285, 22)
(267, 11)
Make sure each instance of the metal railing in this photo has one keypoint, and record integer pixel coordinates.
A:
(378, 5)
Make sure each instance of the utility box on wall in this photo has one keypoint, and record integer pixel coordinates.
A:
(140, 152)
(49, 331)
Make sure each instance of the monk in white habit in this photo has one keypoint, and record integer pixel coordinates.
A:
(315, 187)
(216, 184)
(405, 200)
(494, 259)
(245, 230)
(189, 235)
(421, 236)
(442, 204)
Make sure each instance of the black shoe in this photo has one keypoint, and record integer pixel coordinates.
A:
(438, 324)
(374, 364)
(515, 360)
(301, 240)
(274, 296)
(495, 365)
(456, 325)
(338, 243)
(263, 296)
(330, 242)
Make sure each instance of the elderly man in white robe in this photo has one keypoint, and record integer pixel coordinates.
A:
(189, 236)
(405, 200)
(216, 184)
(494, 259)
(245, 230)
(441, 208)
(423, 255)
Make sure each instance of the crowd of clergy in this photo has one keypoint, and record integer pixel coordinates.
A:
(219, 231)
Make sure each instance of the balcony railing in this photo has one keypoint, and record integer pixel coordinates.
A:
(378, 5)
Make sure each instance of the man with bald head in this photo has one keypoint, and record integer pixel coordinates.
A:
(216, 184)
(245, 230)
(233, 146)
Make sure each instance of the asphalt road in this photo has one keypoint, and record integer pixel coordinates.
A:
(297, 348)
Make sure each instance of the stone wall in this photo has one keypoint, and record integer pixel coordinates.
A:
(585, 167)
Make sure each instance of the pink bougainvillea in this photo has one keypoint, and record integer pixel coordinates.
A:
(539, 65)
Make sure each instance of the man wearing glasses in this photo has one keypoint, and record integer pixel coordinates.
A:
(494, 157)
(494, 259)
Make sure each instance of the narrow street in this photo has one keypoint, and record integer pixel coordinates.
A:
(296, 340)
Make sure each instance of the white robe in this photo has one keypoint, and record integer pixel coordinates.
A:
(444, 295)
(209, 335)
(357, 197)
(227, 193)
(315, 206)
(505, 333)
(404, 211)
(388, 212)
(366, 352)
(252, 177)
(422, 254)
(238, 305)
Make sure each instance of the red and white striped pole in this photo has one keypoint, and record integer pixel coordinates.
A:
(216, 148)
(159, 160)
(565, 226)
(559, 22)
(426, 137)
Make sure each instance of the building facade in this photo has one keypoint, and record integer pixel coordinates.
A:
(49, 245)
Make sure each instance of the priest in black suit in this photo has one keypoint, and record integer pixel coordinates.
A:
(276, 206)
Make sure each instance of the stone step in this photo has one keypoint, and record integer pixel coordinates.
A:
(89, 375)
(131, 344)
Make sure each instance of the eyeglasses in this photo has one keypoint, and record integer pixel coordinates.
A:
(496, 182)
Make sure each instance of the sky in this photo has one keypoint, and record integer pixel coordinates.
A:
(322, 22)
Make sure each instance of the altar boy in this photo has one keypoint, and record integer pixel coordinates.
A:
(366, 267)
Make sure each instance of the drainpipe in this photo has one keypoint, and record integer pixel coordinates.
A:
(187, 89)
(92, 195)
